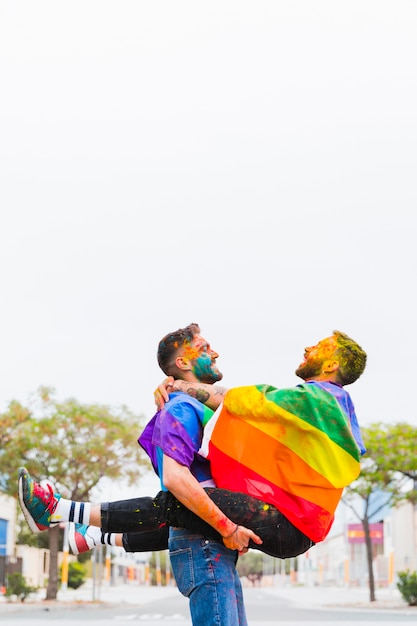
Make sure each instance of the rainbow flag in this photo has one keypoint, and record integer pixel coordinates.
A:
(292, 448)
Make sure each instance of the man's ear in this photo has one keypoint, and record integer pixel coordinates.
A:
(330, 367)
(183, 363)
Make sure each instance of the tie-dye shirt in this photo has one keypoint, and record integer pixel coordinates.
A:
(346, 404)
(177, 432)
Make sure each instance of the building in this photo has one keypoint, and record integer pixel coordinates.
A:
(342, 560)
(9, 562)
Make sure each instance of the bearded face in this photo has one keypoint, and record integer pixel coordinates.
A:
(206, 370)
(202, 358)
(310, 368)
(314, 358)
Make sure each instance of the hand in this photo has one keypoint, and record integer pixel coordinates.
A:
(240, 539)
(161, 393)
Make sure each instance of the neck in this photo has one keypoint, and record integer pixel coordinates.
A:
(324, 378)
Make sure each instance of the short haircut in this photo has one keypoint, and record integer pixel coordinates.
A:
(352, 358)
(170, 345)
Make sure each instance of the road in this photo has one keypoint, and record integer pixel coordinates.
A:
(263, 609)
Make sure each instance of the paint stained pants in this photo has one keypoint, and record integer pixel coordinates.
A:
(145, 522)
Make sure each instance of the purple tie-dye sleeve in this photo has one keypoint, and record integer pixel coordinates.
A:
(174, 440)
(176, 431)
(145, 440)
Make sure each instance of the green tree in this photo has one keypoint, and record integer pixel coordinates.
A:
(76, 574)
(407, 586)
(72, 445)
(396, 449)
(11, 423)
(384, 480)
(17, 586)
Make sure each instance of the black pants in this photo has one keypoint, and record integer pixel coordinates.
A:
(145, 522)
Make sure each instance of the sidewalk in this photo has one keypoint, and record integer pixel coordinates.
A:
(125, 593)
(331, 597)
(135, 594)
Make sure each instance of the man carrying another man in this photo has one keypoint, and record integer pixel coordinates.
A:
(173, 439)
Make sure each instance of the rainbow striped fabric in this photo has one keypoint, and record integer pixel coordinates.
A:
(292, 448)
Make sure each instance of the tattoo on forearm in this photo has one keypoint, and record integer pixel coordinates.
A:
(199, 394)
(204, 396)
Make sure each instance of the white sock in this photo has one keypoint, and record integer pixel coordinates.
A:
(70, 511)
(108, 539)
(94, 537)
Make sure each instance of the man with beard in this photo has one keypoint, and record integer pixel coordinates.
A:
(204, 565)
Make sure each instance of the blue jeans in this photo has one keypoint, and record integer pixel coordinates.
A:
(205, 572)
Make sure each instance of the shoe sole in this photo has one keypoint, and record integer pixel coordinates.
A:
(71, 540)
(28, 517)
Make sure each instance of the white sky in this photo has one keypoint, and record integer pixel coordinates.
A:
(250, 166)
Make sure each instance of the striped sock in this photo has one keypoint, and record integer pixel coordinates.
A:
(70, 511)
(108, 539)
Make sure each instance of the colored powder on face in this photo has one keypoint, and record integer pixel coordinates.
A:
(190, 352)
(202, 366)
